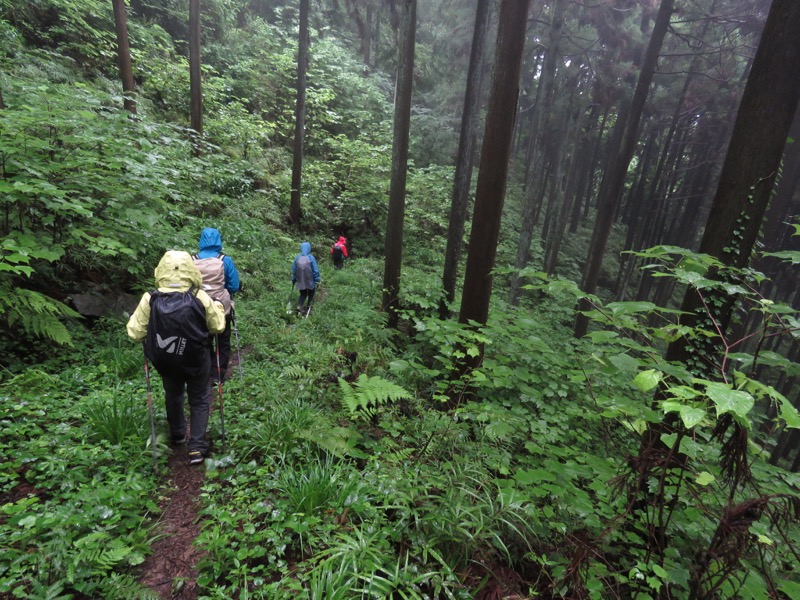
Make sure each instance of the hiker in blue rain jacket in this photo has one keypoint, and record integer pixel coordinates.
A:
(221, 282)
(305, 273)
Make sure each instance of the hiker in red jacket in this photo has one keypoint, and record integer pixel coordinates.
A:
(339, 252)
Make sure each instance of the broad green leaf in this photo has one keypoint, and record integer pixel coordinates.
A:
(788, 255)
(788, 413)
(660, 571)
(704, 478)
(762, 539)
(728, 400)
(629, 308)
(692, 416)
(790, 588)
(647, 380)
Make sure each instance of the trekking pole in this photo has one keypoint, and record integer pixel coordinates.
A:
(150, 407)
(290, 301)
(236, 335)
(219, 391)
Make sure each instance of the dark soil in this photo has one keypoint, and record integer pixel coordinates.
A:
(170, 570)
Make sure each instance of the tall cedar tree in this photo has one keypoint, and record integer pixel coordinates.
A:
(300, 114)
(617, 167)
(397, 186)
(464, 158)
(124, 54)
(766, 111)
(495, 153)
(195, 89)
(540, 127)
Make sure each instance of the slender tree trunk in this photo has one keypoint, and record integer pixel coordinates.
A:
(559, 200)
(124, 55)
(546, 94)
(2, 102)
(569, 196)
(299, 115)
(195, 87)
(614, 178)
(397, 185)
(464, 159)
(584, 189)
(637, 204)
(495, 154)
(367, 50)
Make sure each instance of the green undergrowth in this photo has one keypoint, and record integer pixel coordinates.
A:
(345, 475)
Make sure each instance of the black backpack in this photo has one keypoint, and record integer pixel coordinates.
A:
(177, 341)
(337, 252)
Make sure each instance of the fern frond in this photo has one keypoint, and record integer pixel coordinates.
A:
(37, 314)
(296, 372)
(367, 394)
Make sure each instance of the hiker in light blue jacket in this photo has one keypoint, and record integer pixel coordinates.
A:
(305, 273)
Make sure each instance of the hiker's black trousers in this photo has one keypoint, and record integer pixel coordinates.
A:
(198, 392)
(306, 295)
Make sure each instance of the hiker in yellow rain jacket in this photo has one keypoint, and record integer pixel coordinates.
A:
(181, 356)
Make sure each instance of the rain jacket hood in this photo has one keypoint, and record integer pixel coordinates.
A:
(305, 248)
(176, 272)
(210, 243)
(342, 240)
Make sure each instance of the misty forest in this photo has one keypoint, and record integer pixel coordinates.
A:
(561, 359)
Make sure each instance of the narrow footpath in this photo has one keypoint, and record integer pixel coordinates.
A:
(170, 571)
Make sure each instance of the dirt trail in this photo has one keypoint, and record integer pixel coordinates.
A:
(170, 570)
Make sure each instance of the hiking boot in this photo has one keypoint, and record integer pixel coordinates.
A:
(196, 457)
(177, 440)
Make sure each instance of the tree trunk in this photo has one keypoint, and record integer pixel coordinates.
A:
(195, 88)
(766, 111)
(495, 154)
(584, 188)
(553, 232)
(546, 93)
(779, 213)
(397, 185)
(464, 159)
(638, 203)
(300, 114)
(570, 196)
(124, 55)
(614, 177)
